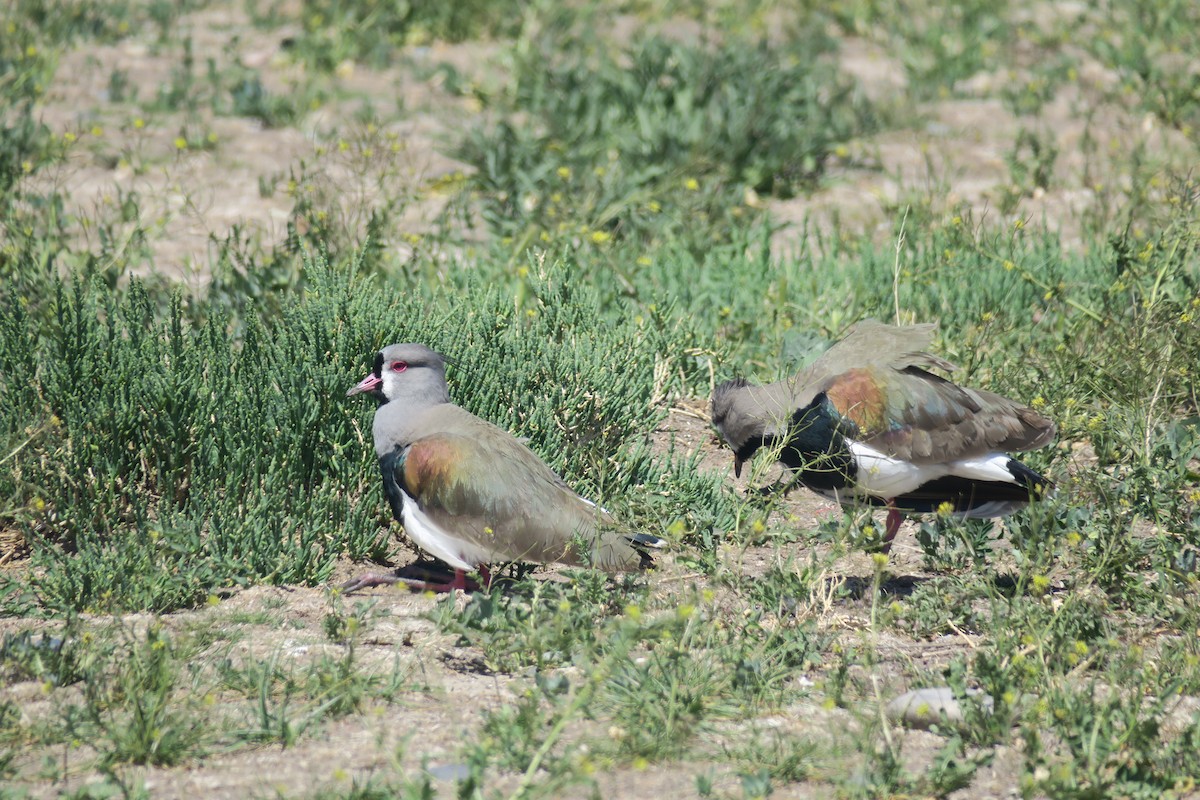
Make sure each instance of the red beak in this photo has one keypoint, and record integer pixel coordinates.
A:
(367, 384)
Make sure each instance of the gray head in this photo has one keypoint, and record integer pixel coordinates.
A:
(732, 414)
(408, 371)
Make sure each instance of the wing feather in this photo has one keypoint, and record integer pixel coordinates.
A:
(490, 490)
(912, 414)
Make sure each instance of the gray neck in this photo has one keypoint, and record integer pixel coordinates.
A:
(397, 422)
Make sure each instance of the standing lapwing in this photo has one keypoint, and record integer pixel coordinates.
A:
(471, 493)
(868, 423)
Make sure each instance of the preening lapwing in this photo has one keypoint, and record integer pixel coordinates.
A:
(472, 494)
(869, 423)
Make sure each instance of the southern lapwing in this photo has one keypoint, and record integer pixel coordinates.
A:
(471, 493)
(868, 423)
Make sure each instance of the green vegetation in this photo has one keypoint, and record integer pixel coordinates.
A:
(595, 240)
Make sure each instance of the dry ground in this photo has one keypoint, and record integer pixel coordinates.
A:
(449, 687)
(195, 198)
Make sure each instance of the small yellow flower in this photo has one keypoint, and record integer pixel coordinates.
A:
(68, 137)
(634, 612)
(212, 137)
(564, 172)
(30, 51)
(1038, 402)
(1040, 584)
(880, 560)
(97, 131)
(139, 123)
(1010, 266)
(39, 504)
(685, 611)
(692, 185)
(27, 166)
(600, 237)
(180, 143)
(644, 261)
(1018, 224)
(945, 509)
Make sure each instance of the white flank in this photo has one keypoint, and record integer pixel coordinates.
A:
(434, 540)
(992, 467)
(886, 477)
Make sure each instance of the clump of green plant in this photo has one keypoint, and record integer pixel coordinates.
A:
(176, 459)
(1030, 166)
(663, 146)
(538, 623)
(139, 713)
(50, 657)
(938, 45)
(1110, 737)
(375, 32)
(1148, 59)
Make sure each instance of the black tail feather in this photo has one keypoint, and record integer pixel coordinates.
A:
(967, 495)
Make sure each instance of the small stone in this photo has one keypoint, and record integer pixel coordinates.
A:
(923, 708)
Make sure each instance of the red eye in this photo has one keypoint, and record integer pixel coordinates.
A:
(399, 366)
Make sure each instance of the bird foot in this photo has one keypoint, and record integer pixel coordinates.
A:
(427, 580)
(367, 581)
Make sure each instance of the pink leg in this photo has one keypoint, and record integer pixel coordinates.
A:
(893, 526)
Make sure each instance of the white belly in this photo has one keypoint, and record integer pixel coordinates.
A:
(438, 542)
